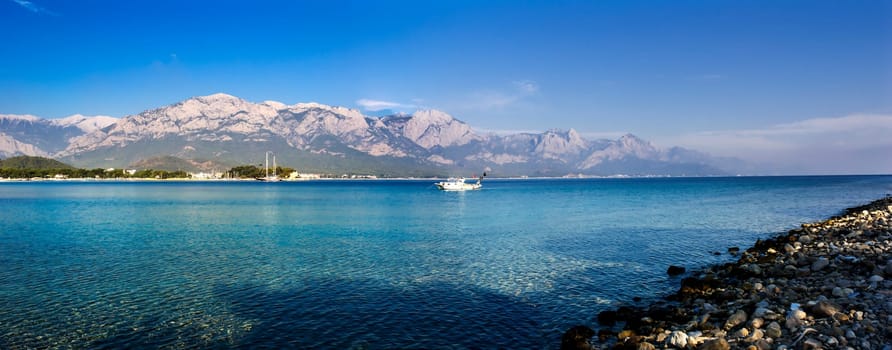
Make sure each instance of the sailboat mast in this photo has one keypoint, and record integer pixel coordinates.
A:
(266, 166)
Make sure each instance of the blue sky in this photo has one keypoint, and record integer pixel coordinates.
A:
(670, 71)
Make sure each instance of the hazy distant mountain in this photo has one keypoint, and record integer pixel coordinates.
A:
(30, 135)
(226, 130)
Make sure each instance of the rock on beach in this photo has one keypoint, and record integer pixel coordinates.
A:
(825, 285)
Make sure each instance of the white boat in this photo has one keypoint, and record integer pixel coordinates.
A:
(267, 176)
(459, 184)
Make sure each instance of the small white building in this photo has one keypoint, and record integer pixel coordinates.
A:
(303, 176)
(206, 176)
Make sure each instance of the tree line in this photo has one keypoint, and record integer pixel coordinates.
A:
(27, 167)
(97, 173)
(253, 172)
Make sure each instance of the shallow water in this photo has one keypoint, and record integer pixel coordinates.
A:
(368, 264)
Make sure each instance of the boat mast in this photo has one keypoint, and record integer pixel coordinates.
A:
(266, 166)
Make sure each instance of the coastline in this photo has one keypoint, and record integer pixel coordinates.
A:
(825, 285)
(531, 178)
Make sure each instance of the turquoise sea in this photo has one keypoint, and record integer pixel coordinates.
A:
(369, 264)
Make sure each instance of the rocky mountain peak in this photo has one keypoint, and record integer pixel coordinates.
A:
(343, 111)
(632, 145)
(433, 116)
(557, 144)
(10, 147)
(275, 104)
(631, 139)
(217, 98)
(431, 128)
(216, 106)
(19, 118)
(86, 123)
(635, 143)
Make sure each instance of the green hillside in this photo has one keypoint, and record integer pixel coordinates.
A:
(171, 163)
(28, 162)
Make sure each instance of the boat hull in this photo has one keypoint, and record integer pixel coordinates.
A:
(457, 185)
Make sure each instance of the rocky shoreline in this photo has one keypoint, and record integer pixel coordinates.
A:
(825, 285)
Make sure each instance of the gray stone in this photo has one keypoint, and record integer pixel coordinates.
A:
(837, 292)
(825, 309)
(831, 342)
(763, 344)
(760, 312)
(645, 346)
(715, 344)
(812, 343)
(773, 330)
(757, 322)
(793, 321)
(820, 264)
(677, 339)
(736, 319)
(757, 334)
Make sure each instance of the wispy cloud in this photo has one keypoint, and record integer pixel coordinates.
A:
(491, 100)
(378, 105)
(31, 6)
(858, 142)
(526, 86)
(501, 98)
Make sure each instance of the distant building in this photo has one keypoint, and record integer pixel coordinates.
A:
(206, 176)
(303, 176)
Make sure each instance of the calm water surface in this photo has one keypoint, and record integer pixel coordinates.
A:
(369, 264)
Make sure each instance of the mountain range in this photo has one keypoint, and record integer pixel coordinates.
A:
(220, 130)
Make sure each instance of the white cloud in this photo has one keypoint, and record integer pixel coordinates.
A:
(850, 144)
(377, 105)
(31, 6)
(491, 100)
(502, 98)
(526, 86)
